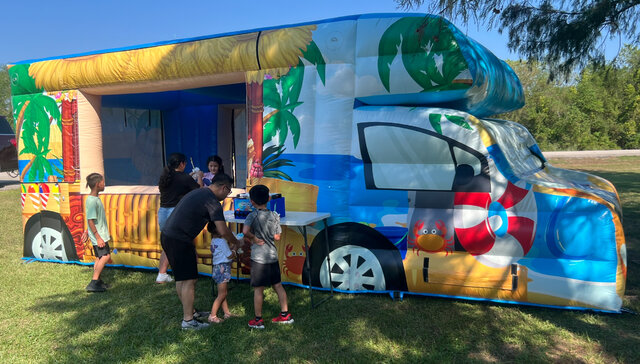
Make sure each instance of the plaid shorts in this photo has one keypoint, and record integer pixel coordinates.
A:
(221, 273)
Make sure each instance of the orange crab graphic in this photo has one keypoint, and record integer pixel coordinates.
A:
(430, 240)
(293, 261)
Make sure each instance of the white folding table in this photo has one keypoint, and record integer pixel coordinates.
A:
(301, 220)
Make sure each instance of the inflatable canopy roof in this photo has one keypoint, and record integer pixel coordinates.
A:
(436, 65)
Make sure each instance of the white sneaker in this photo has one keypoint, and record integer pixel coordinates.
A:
(163, 278)
(193, 325)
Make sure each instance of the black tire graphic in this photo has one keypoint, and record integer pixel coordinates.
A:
(361, 259)
(46, 236)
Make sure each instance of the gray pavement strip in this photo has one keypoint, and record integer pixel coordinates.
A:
(7, 182)
(593, 153)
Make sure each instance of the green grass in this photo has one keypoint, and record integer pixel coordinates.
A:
(47, 317)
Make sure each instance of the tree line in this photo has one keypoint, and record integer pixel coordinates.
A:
(599, 108)
(5, 95)
(564, 35)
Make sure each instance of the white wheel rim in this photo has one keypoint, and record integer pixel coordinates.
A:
(354, 268)
(48, 244)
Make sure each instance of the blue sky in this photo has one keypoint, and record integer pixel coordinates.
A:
(40, 29)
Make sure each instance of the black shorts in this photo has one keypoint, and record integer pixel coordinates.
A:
(101, 252)
(182, 257)
(263, 275)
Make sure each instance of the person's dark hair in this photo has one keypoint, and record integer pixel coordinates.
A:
(259, 194)
(222, 179)
(217, 159)
(167, 173)
(93, 179)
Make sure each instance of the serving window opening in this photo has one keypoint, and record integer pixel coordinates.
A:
(140, 131)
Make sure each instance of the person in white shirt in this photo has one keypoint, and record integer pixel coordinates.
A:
(222, 257)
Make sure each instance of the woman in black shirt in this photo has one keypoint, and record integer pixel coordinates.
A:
(174, 184)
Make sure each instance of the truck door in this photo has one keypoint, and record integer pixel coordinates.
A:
(433, 169)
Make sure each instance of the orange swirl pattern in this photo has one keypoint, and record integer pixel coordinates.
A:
(75, 222)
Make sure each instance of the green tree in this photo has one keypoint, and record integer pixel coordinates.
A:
(599, 109)
(5, 95)
(566, 35)
(628, 120)
(545, 103)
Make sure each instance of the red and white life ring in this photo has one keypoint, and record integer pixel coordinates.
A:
(496, 230)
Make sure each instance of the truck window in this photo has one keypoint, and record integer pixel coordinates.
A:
(400, 157)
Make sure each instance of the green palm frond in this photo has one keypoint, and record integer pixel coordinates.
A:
(294, 125)
(458, 120)
(292, 84)
(282, 96)
(270, 95)
(27, 136)
(271, 152)
(429, 51)
(271, 161)
(284, 130)
(277, 174)
(435, 120)
(278, 163)
(50, 106)
(47, 166)
(21, 82)
(271, 127)
(314, 56)
(36, 132)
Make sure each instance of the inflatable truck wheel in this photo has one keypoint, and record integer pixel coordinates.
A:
(46, 236)
(362, 259)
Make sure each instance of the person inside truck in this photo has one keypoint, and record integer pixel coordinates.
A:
(214, 165)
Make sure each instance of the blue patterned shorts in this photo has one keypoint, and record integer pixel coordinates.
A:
(221, 273)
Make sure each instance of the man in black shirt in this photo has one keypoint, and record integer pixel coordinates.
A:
(191, 215)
